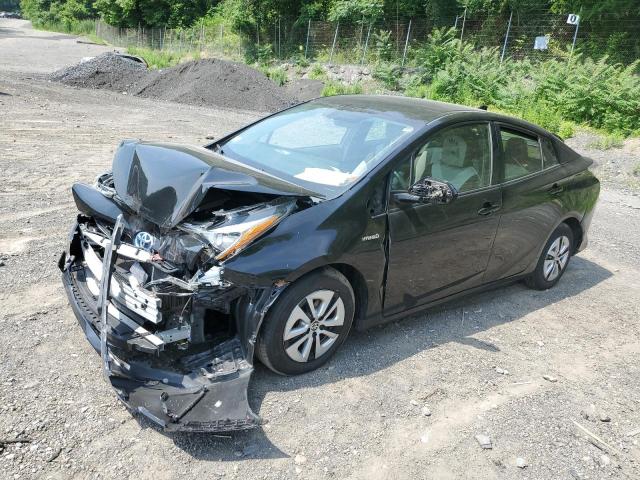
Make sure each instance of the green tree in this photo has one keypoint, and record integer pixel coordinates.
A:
(355, 10)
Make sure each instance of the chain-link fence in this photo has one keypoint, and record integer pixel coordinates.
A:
(535, 35)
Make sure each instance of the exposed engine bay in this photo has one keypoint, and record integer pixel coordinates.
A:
(144, 272)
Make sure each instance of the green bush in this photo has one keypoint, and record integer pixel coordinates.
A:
(566, 130)
(383, 45)
(388, 74)
(337, 88)
(548, 92)
(418, 91)
(276, 75)
(317, 72)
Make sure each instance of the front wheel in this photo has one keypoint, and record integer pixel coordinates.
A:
(553, 260)
(307, 324)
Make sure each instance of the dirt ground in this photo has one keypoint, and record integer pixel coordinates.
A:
(475, 367)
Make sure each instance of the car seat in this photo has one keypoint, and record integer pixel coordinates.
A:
(452, 165)
(516, 158)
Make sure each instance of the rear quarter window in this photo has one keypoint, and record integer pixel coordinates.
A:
(522, 154)
(549, 156)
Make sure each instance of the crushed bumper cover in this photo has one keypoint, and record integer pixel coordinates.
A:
(205, 391)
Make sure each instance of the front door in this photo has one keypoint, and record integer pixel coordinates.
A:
(438, 250)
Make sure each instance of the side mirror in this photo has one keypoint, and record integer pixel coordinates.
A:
(428, 191)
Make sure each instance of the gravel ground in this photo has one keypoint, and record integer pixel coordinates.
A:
(412, 399)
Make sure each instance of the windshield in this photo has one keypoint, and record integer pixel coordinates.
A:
(322, 148)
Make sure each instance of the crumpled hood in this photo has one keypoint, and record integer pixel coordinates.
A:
(164, 183)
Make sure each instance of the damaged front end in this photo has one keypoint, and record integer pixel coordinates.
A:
(147, 285)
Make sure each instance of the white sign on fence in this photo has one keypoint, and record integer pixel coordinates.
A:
(573, 19)
(541, 43)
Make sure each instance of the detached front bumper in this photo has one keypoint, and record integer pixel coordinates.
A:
(201, 390)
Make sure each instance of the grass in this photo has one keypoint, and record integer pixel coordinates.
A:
(159, 59)
(95, 39)
(75, 27)
(607, 142)
(337, 88)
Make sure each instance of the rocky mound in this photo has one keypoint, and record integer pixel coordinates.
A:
(209, 82)
(218, 83)
(108, 70)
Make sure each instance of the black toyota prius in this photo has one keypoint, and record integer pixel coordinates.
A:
(187, 263)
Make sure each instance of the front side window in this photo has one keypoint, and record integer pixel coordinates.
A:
(322, 148)
(522, 154)
(458, 155)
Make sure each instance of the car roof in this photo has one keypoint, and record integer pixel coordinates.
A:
(424, 111)
(413, 108)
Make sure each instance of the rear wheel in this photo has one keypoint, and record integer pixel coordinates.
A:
(553, 260)
(307, 324)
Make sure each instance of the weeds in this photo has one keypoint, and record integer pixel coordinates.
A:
(317, 72)
(336, 88)
(276, 75)
(159, 58)
(606, 142)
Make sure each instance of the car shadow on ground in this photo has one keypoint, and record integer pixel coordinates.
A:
(376, 349)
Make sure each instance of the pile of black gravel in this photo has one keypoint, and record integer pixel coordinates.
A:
(213, 82)
(108, 70)
(209, 82)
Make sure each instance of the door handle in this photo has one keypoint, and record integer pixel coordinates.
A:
(488, 208)
(556, 189)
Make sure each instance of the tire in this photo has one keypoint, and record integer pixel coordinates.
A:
(553, 260)
(334, 304)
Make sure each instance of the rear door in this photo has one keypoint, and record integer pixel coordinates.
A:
(533, 184)
(438, 250)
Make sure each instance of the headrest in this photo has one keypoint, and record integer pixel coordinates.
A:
(454, 151)
(516, 148)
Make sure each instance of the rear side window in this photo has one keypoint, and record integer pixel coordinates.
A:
(522, 154)
(549, 157)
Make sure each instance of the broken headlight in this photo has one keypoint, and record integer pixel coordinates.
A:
(238, 230)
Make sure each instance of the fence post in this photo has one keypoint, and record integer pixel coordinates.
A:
(335, 38)
(406, 44)
(575, 35)
(455, 24)
(464, 20)
(506, 38)
(366, 44)
(202, 35)
(279, 39)
(306, 46)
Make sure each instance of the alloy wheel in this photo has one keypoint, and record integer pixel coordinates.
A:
(556, 258)
(313, 326)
